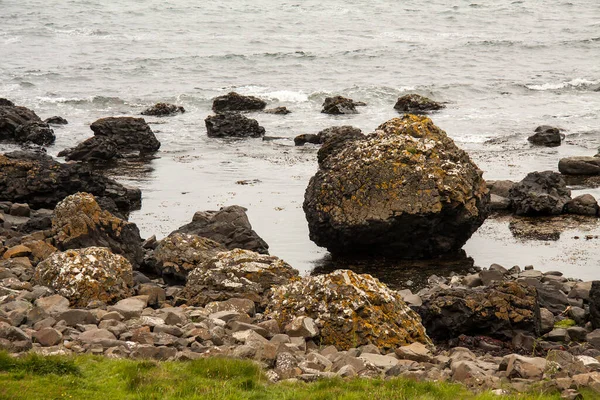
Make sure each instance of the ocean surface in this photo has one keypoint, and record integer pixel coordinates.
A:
(502, 68)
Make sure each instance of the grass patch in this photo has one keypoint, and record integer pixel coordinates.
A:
(91, 377)
(565, 323)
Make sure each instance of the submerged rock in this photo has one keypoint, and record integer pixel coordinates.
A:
(95, 149)
(415, 103)
(232, 125)
(79, 222)
(236, 274)
(229, 226)
(233, 101)
(130, 134)
(56, 120)
(163, 110)
(278, 111)
(179, 253)
(540, 193)
(86, 275)
(498, 310)
(351, 309)
(38, 180)
(339, 105)
(579, 165)
(405, 191)
(546, 136)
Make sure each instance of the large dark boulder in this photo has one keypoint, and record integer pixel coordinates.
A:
(595, 304)
(498, 310)
(404, 191)
(94, 149)
(130, 134)
(232, 125)
(35, 132)
(236, 102)
(333, 140)
(545, 135)
(229, 226)
(6, 102)
(416, 104)
(339, 105)
(585, 204)
(582, 165)
(540, 193)
(163, 110)
(36, 179)
(22, 125)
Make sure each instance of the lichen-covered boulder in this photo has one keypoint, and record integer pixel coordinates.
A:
(232, 124)
(36, 179)
(95, 149)
(334, 139)
(540, 193)
(85, 275)
(233, 101)
(339, 105)
(80, 222)
(236, 274)
(416, 104)
(130, 134)
(497, 310)
(351, 310)
(179, 253)
(163, 110)
(229, 226)
(405, 191)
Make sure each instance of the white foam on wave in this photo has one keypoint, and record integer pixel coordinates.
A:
(288, 96)
(573, 83)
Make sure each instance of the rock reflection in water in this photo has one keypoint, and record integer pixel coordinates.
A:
(399, 274)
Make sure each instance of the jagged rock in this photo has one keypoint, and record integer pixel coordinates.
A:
(546, 136)
(6, 103)
(232, 125)
(12, 117)
(79, 222)
(36, 179)
(352, 310)
(94, 149)
(415, 103)
(86, 275)
(130, 134)
(236, 102)
(236, 273)
(163, 110)
(339, 105)
(35, 132)
(229, 226)
(582, 165)
(540, 193)
(335, 139)
(180, 253)
(278, 111)
(585, 204)
(405, 191)
(496, 311)
(56, 120)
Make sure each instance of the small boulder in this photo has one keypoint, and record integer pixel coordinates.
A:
(585, 204)
(339, 105)
(278, 111)
(582, 165)
(130, 134)
(56, 121)
(233, 101)
(35, 132)
(85, 275)
(163, 110)
(95, 149)
(232, 125)
(12, 117)
(540, 193)
(47, 337)
(546, 136)
(416, 104)
(517, 366)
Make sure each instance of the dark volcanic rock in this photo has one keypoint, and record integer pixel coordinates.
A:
(278, 111)
(585, 204)
(35, 132)
(405, 191)
(546, 136)
(540, 193)
(336, 138)
(579, 165)
(130, 134)
(94, 149)
(6, 103)
(163, 110)
(36, 179)
(497, 311)
(595, 304)
(301, 140)
(339, 105)
(229, 226)
(415, 103)
(236, 102)
(321, 137)
(11, 117)
(56, 121)
(232, 125)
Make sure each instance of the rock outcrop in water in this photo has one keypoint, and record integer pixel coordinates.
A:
(404, 191)
(540, 193)
(130, 134)
(163, 110)
(416, 104)
(582, 165)
(97, 149)
(38, 180)
(339, 105)
(352, 310)
(325, 134)
(232, 124)
(229, 226)
(236, 102)
(22, 125)
(545, 135)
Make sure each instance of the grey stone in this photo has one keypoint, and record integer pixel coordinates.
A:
(415, 352)
(302, 327)
(517, 366)
(378, 360)
(53, 305)
(77, 317)
(95, 336)
(47, 337)
(558, 335)
(129, 308)
(488, 276)
(581, 290)
(546, 320)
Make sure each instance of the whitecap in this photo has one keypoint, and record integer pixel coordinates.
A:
(573, 83)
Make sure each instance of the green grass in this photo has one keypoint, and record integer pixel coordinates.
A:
(89, 377)
(565, 323)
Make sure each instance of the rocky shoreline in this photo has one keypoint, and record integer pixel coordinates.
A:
(76, 277)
